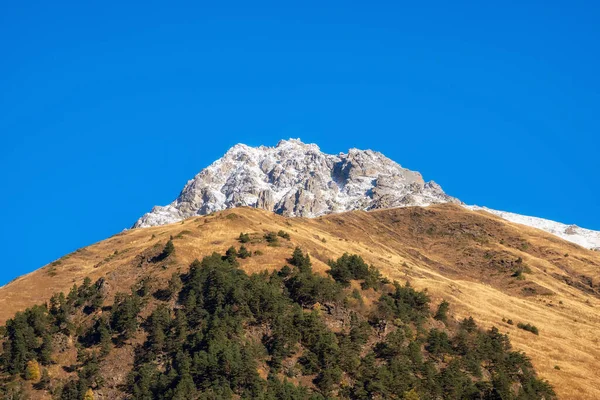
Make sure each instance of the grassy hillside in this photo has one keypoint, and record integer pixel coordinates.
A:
(215, 332)
(503, 275)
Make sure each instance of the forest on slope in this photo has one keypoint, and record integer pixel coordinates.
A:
(215, 331)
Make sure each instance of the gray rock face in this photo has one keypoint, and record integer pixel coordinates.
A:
(297, 179)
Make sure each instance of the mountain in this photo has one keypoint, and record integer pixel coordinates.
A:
(120, 332)
(220, 297)
(298, 179)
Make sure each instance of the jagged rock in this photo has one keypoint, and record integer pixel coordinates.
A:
(571, 230)
(265, 200)
(297, 179)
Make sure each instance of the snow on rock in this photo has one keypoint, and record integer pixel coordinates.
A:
(572, 233)
(297, 179)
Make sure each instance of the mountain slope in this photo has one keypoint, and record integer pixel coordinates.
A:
(214, 331)
(485, 266)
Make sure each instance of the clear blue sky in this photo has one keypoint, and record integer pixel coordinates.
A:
(108, 108)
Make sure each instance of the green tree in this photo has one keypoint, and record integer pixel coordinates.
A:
(231, 255)
(168, 250)
(243, 252)
(348, 267)
(301, 261)
(144, 380)
(442, 312)
(175, 285)
(124, 318)
(159, 321)
(45, 381)
(244, 238)
(271, 239)
(46, 349)
(283, 234)
(104, 336)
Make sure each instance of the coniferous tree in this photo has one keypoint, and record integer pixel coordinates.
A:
(168, 250)
(300, 261)
(442, 312)
(160, 320)
(125, 314)
(73, 295)
(45, 381)
(231, 255)
(104, 337)
(46, 349)
(175, 285)
(70, 391)
(243, 252)
(204, 351)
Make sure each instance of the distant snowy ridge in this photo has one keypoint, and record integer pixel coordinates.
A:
(572, 233)
(299, 180)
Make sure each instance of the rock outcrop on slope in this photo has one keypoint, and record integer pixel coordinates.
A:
(297, 179)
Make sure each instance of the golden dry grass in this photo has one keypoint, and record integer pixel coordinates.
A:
(457, 254)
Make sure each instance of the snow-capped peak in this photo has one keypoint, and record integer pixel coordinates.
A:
(297, 179)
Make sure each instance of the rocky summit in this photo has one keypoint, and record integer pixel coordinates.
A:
(298, 179)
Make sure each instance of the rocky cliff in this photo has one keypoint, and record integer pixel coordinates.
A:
(297, 179)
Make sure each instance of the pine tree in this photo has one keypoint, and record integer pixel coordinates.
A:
(175, 285)
(145, 378)
(70, 391)
(185, 387)
(243, 252)
(300, 260)
(46, 349)
(85, 291)
(442, 312)
(244, 238)
(180, 327)
(284, 235)
(231, 255)
(125, 314)
(105, 337)
(168, 250)
(17, 348)
(159, 320)
(73, 295)
(44, 382)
